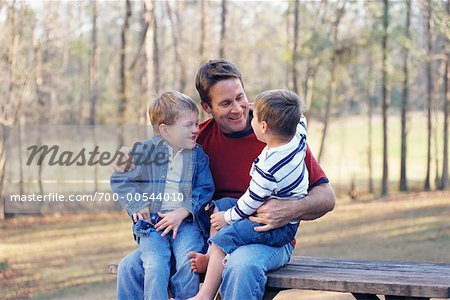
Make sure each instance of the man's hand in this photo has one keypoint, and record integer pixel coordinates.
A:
(143, 214)
(276, 213)
(218, 220)
(171, 221)
(123, 162)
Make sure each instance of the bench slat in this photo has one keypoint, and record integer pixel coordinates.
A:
(407, 279)
(369, 275)
(359, 276)
(369, 264)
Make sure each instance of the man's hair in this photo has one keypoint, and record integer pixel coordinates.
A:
(211, 73)
(281, 110)
(168, 106)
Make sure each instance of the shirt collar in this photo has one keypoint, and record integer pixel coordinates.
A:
(159, 140)
(291, 144)
(241, 134)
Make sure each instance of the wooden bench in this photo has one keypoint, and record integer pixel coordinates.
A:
(363, 278)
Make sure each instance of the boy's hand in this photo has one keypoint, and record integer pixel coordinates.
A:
(143, 214)
(172, 221)
(218, 220)
(124, 162)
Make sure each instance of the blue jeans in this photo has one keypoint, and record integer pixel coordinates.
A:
(244, 276)
(242, 232)
(146, 273)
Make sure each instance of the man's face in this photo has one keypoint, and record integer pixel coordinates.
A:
(185, 131)
(229, 105)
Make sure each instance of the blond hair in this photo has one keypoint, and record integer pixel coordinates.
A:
(166, 108)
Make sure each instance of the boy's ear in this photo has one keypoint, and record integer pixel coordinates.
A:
(163, 129)
(206, 107)
(265, 127)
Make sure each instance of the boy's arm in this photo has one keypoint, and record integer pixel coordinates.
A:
(319, 201)
(261, 187)
(276, 213)
(202, 185)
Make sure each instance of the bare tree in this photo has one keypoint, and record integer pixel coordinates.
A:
(444, 180)
(295, 47)
(405, 101)
(15, 82)
(203, 41)
(156, 73)
(370, 83)
(148, 7)
(123, 74)
(41, 94)
(223, 27)
(93, 82)
(429, 95)
(203, 28)
(177, 34)
(2, 168)
(332, 83)
(385, 95)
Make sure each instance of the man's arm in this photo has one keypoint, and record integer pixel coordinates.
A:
(276, 213)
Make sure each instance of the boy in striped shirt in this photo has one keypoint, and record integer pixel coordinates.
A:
(278, 172)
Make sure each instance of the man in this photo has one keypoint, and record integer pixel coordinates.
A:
(231, 145)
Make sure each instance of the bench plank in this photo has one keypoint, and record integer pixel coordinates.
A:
(364, 277)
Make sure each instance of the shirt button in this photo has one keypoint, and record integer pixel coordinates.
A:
(163, 176)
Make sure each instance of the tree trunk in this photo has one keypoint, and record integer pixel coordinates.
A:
(143, 63)
(223, 28)
(2, 169)
(93, 82)
(405, 102)
(3, 137)
(295, 47)
(332, 83)
(331, 95)
(311, 73)
(7, 115)
(444, 179)
(370, 121)
(203, 43)
(148, 4)
(287, 69)
(177, 34)
(156, 77)
(123, 72)
(429, 97)
(385, 95)
(203, 26)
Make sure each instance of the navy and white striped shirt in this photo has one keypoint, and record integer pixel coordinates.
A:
(278, 172)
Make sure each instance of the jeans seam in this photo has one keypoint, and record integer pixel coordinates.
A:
(264, 271)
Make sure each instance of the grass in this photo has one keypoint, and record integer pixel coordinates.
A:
(345, 157)
(65, 256)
